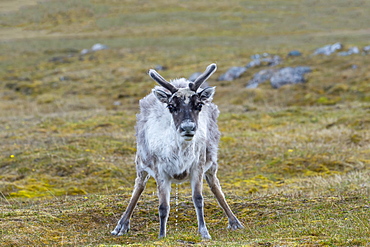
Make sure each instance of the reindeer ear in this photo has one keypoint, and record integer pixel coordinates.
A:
(206, 95)
(161, 95)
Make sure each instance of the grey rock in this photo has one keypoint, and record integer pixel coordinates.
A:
(302, 69)
(294, 53)
(289, 75)
(85, 51)
(232, 74)
(279, 77)
(254, 63)
(260, 77)
(366, 49)
(256, 56)
(344, 53)
(98, 47)
(264, 60)
(328, 49)
(64, 78)
(252, 85)
(272, 61)
(352, 50)
(160, 67)
(260, 56)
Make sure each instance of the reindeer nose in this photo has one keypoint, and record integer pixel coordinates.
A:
(188, 126)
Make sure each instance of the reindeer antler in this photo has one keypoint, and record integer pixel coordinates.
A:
(203, 77)
(161, 81)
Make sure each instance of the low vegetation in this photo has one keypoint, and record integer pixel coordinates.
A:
(294, 162)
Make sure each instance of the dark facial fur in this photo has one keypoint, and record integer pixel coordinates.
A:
(185, 113)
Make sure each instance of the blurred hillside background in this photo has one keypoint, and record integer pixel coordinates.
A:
(294, 161)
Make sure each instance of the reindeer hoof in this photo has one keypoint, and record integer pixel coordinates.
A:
(121, 228)
(206, 237)
(235, 224)
(205, 234)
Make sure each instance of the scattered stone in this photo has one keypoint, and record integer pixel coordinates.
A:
(366, 49)
(96, 47)
(303, 69)
(259, 56)
(289, 75)
(328, 49)
(279, 77)
(352, 50)
(294, 53)
(160, 67)
(232, 74)
(260, 77)
(85, 51)
(252, 85)
(64, 78)
(117, 103)
(264, 60)
(254, 63)
(272, 61)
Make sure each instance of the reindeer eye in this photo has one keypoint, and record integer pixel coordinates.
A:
(171, 108)
(198, 106)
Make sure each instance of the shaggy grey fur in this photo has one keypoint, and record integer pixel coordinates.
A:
(177, 140)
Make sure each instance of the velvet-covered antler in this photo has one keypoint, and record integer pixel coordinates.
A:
(161, 81)
(203, 77)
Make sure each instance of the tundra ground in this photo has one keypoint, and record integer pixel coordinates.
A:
(293, 162)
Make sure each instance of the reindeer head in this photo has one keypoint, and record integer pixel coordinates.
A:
(185, 103)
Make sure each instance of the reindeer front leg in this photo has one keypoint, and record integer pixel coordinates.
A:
(164, 190)
(123, 225)
(197, 187)
(214, 184)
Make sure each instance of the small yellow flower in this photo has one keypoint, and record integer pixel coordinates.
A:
(87, 150)
(12, 156)
(290, 150)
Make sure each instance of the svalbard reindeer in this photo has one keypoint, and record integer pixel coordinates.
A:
(177, 140)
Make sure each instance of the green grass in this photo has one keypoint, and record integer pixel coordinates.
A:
(294, 162)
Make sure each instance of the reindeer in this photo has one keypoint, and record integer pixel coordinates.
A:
(177, 140)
